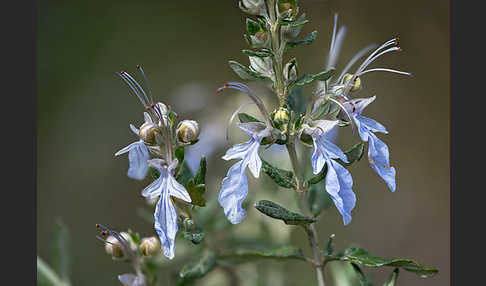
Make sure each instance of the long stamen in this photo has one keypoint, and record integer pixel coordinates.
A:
(234, 115)
(393, 41)
(243, 88)
(371, 58)
(149, 91)
(384, 69)
(132, 87)
(353, 125)
(334, 32)
(359, 55)
(336, 43)
(138, 85)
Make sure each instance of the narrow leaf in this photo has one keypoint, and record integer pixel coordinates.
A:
(244, 72)
(200, 177)
(276, 211)
(318, 177)
(309, 78)
(363, 281)
(281, 253)
(353, 154)
(283, 178)
(308, 40)
(363, 257)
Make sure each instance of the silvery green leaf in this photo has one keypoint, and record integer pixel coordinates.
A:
(307, 40)
(363, 257)
(196, 193)
(276, 211)
(392, 279)
(262, 66)
(202, 265)
(260, 53)
(253, 7)
(200, 177)
(291, 29)
(308, 78)
(244, 72)
(253, 27)
(296, 100)
(281, 177)
(353, 154)
(281, 253)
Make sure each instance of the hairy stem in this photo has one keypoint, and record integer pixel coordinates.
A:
(277, 51)
(314, 243)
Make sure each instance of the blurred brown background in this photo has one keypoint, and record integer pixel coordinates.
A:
(85, 109)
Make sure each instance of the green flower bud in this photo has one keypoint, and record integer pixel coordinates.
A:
(281, 116)
(354, 86)
(187, 131)
(150, 246)
(147, 132)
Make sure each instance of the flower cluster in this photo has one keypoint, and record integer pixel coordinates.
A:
(331, 107)
(155, 148)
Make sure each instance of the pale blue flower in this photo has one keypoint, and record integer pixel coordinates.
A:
(165, 214)
(235, 186)
(138, 155)
(130, 279)
(338, 182)
(378, 154)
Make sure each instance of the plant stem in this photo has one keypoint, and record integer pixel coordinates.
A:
(310, 229)
(314, 243)
(277, 51)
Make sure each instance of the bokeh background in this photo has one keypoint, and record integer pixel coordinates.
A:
(84, 111)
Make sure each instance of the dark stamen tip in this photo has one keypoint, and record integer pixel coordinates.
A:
(97, 225)
(139, 66)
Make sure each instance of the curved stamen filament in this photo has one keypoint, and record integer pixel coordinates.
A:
(386, 70)
(133, 88)
(149, 91)
(243, 88)
(138, 85)
(234, 115)
(359, 55)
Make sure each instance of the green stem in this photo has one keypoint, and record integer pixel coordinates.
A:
(277, 51)
(310, 229)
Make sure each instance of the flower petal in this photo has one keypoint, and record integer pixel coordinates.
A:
(177, 190)
(378, 156)
(233, 191)
(339, 185)
(371, 124)
(166, 224)
(138, 156)
(155, 189)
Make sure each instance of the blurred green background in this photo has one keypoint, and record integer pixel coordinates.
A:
(84, 111)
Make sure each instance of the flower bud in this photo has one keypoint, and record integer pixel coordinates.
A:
(113, 247)
(188, 131)
(354, 86)
(147, 132)
(150, 246)
(281, 116)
